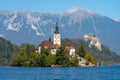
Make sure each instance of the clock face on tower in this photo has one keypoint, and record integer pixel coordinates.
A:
(57, 39)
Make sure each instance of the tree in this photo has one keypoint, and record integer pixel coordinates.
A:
(81, 51)
(72, 62)
(50, 60)
(26, 57)
(30, 48)
(90, 58)
(42, 59)
(61, 56)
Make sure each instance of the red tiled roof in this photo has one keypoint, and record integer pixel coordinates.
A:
(46, 43)
(55, 46)
(68, 47)
(49, 44)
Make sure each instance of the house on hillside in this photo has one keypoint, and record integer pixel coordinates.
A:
(71, 50)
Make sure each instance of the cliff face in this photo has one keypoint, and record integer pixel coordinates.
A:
(93, 41)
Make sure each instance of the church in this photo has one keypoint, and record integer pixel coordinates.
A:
(55, 44)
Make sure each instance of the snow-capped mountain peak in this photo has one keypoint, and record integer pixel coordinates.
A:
(72, 10)
(79, 10)
(77, 15)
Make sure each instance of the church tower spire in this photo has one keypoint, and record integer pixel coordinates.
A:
(56, 29)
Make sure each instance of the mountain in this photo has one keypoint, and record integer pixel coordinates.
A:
(105, 55)
(33, 27)
(6, 51)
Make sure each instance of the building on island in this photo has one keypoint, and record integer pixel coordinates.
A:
(45, 44)
(54, 45)
(94, 41)
(71, 50)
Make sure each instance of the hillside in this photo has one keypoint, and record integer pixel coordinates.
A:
(6, 51)
(33, 27)
(105, 56)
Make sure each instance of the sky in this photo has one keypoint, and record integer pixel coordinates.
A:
(110, 8)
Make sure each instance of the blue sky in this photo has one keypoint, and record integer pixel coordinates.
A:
(110, 8)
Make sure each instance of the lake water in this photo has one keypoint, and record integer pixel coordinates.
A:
(65, 73)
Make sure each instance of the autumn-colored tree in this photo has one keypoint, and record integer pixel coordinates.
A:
(90, 58)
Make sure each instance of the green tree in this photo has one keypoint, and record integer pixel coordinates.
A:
(72, 62)
(26, 57)
(30, 48)
(63, 58)
(42, 59)
(81, 51)
(60, 56)
(50, 60)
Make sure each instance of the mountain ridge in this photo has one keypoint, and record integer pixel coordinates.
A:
(33, 27)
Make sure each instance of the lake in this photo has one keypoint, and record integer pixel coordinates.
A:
(63, 73)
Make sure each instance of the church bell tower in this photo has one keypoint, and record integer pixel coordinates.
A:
(57, 37)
